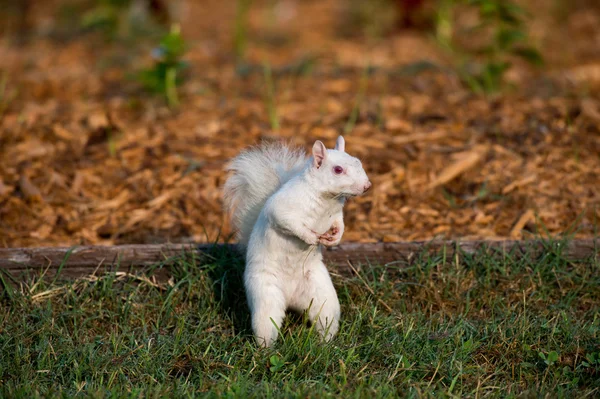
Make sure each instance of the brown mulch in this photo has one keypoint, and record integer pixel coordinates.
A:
(88, 158)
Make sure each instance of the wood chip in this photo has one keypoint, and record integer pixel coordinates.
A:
(519, 183)
(116, 202)
(29, 190)
(338, 86)
(466, 162)
(118, 167)
(525, 218)
(62, 133)
(419, 137)
(397, 124)
(4, 189)
(98, 120)
(591, 109)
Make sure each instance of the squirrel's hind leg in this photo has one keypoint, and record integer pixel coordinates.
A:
(321, 302)
(267, 308)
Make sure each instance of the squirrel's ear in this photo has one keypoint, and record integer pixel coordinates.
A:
(319, 153)
(340, 144)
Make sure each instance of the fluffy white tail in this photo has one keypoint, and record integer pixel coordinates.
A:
(256, 174)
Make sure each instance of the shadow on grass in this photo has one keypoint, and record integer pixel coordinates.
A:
(228, 278)
(224, 266)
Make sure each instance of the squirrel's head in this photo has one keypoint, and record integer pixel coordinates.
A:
(342, 174)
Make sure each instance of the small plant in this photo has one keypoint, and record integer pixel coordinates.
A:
(108, 16)
(592, 361)
(550, 359)
(501, 33)
(165, 75)
(276, 363)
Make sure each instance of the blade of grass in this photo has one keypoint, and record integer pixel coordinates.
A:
(360, 96)
(171, 87)
(270, 97)
(240, 34)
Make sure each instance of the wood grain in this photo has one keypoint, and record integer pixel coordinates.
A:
(84, 260)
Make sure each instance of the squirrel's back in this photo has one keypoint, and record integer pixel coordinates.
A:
(256, 174)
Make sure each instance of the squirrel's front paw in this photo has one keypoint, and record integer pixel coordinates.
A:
(331, 237)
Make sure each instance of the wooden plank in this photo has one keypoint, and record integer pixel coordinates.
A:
(406, 252)
(84, 260)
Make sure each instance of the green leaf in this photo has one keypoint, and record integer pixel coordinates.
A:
(405, 363)
(173, 45)
(507, 37)
(488, 9)
(99, 17)
(511, 11)
(276, 363)
(550, 358)
(492, 74)
(575, 381)
(497, 68)
(511, 14)
(467, 345)
(152, 80)
(529, 54)
(164, 76)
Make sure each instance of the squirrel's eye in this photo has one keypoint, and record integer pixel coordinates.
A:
(338, 170)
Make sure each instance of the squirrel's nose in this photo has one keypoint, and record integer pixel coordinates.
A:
(367, 187)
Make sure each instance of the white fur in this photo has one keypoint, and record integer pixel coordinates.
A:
(284, 207)
(256, 174)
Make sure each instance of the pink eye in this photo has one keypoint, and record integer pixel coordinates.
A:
(338, 170)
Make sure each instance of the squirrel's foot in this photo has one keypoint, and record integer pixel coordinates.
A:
(331, 237)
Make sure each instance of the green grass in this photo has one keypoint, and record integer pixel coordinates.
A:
(270, 97)
(240, 27)
(358, 102)
(487, 326)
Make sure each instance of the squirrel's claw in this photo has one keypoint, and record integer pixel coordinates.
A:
(331, 237)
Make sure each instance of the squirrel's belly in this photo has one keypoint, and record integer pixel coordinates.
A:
(294, 255)
(291, 256)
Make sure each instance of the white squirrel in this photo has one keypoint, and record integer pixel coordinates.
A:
(283, 206)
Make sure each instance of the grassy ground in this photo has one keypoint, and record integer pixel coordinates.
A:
(482, 327)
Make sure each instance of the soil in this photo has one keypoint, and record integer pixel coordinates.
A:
(88, 157)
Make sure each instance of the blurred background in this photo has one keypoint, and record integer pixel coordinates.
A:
(474, 118)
